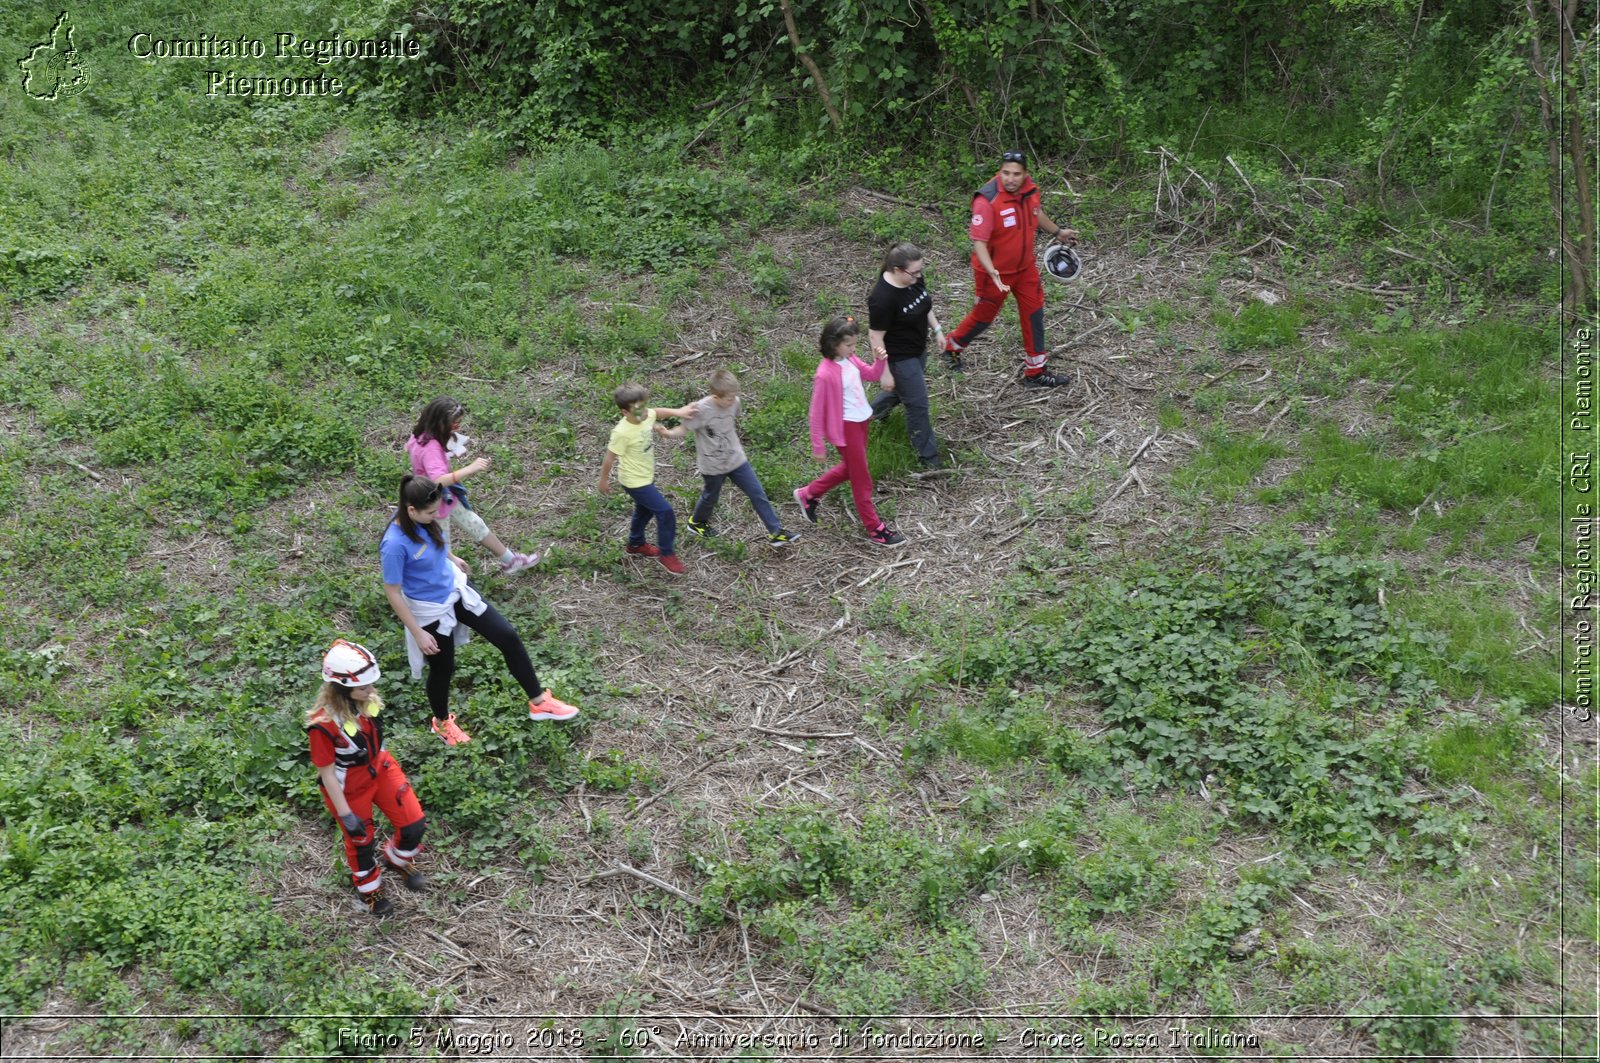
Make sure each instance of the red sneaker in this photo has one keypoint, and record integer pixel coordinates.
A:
(550, 707)
(452, 734)
(644, 551)
(671, 563)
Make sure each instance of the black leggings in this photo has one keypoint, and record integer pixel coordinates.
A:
(492, 626)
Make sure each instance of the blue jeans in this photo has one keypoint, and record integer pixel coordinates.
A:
(648, 503)
(911, 390)
(744, 478)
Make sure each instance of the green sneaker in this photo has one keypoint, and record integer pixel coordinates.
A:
(702, 531)
(781, 538)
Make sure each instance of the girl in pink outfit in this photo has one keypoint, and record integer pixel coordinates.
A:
(430, 450)
(839, 415)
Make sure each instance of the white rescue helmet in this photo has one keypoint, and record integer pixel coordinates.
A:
(1061, 262)
(350, 664)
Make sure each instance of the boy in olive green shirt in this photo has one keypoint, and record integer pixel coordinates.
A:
(632, 451)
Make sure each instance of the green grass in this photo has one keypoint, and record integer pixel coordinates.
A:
(224, 311)
(1479, 628)
(1229, 462)
(1474, 753)
(1462, 457)
(1259, 326)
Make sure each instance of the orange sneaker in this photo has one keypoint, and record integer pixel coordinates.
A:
(549, 707)
(450, 732)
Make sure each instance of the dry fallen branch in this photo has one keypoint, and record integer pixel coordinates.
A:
(1151, 438)
(801, 734)
(794, 655)
(1232, 369)
(917, 561)
(1275, 418)
(85, 470)
(686, 359)
(1127, 481)
(897, 201)
(644, 876)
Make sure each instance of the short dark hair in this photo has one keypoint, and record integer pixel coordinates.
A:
(630, 393)
(1014, 155)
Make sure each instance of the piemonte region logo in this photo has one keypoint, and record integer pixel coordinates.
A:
(53, 69)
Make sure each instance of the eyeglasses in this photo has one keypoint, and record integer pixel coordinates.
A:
(912, 272)
(428, 499)
(1014, 156)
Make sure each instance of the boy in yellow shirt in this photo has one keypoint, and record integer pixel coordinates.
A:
(632, 451)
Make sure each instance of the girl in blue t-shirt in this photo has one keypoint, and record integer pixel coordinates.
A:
(427, 588)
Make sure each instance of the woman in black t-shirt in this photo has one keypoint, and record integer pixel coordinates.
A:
(899, 314)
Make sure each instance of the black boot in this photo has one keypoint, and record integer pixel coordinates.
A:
(410, 877)
(376, 902)
(1046, 380)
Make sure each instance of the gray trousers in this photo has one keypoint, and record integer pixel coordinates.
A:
(911, 391)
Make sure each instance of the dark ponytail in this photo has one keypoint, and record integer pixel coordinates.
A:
(417, 492)
(901, 255)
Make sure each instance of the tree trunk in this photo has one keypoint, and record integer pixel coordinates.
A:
(1567, 144)
(810, 64)
(1581, 153)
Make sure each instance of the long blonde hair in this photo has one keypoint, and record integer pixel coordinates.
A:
(334, 702)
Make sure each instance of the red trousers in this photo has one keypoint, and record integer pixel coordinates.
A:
(391, 791)
(853, 467)
(1029, 291)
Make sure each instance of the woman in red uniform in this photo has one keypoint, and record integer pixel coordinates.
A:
(355, 772)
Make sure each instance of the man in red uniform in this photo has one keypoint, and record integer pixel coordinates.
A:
(1005, 215)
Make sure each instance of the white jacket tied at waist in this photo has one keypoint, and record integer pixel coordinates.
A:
(445, 613)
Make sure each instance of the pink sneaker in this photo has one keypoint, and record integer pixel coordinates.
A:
(549, 707)
(644, 551)
(450, 732)
(519, 562)
(671, 563)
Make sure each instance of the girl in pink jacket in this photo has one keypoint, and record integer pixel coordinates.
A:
(430, 451)
(839, 415)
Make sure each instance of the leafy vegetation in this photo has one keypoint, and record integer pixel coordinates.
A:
(1167, 750)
